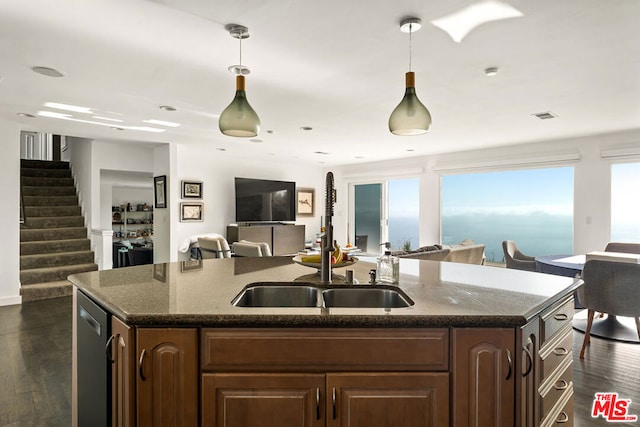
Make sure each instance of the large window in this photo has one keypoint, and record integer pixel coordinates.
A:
(534, 208)
(387, 212)
(625, 206)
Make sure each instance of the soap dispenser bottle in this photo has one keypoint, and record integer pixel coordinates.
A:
(388, 268)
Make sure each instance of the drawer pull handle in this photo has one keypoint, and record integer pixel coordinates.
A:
(563, 417)
(317, 404)
(561, 385)
(333, 399)
(529, 361)
(510, 362)
(560, 351)
(140, 363)
(561, 317)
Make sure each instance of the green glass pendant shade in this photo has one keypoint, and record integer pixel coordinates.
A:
(239, 118)
(410, 117)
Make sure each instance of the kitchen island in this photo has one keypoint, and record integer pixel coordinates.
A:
(477, 346)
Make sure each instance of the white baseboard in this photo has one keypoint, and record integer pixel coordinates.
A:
(10, 300)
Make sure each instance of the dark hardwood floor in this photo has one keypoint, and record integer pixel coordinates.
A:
(35, 368)
(35, 363)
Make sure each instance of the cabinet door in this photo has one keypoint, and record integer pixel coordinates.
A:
(388, 400)
(527, 407)
(263, 400)
(167, 385)
(483, 377)
(123, 374)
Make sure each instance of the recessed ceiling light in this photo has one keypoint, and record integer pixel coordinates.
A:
(306, 128)
(256, 140)
(269, 131)
(410, 150)
(27, 115)
(324, 153)
(162, 123)
(47, 71)
(68, 107)
(461, 23)
(491, 71)
(167, 108)
(116, 128)
(221, 149)
(359, 157)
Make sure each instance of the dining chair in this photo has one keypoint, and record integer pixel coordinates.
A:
(609, 287)
(214, 247)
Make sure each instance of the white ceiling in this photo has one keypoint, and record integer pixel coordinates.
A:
(335, 65)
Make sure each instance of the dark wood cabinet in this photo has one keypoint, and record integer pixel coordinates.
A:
(167, 377)
(263, 400)
(378, 399)
(333, 400)
(483, 382)
(123, 377)
(283, 239)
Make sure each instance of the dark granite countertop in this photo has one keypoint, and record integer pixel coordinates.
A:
(199, 293)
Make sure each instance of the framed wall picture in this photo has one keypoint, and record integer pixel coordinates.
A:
(305, 201)
(160, 191)
(191, 212)
(191, 189)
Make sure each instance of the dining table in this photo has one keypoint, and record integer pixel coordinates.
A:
(606, 326)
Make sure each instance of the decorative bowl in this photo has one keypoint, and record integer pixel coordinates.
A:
(298, 260)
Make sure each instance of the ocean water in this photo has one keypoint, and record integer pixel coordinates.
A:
(535, 234)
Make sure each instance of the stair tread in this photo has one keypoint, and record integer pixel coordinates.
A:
(72, 267)
(45, 290)
(52, 254)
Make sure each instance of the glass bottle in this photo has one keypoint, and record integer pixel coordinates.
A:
(388, 268)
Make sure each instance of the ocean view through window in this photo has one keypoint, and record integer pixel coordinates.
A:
(533, 207)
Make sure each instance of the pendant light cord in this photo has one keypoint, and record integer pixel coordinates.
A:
(410, 33)
(241, 51)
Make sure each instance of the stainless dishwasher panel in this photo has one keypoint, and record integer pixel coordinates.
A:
(94, 369)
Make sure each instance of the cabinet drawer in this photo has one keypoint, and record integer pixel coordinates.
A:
(562, 415)
(554, 320)
(556, 352)
(556, 387)
(324, 350)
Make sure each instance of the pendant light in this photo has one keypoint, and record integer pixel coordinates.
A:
(239, 119)
(410, 117)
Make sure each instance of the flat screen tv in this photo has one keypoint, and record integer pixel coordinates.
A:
(261, 200)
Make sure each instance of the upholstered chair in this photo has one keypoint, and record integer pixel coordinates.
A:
(516, 259)
(609, 287)
(214, 247)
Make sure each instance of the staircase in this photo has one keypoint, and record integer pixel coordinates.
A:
(53, 239)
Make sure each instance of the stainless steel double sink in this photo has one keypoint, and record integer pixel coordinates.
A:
(284, 294)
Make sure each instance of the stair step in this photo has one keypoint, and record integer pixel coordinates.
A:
(47, 173)
(48, 191)
(29, 201)
(48, 290)
(37, 181)
(27, 235)
(40, 211)
(44, 164)
(52, 274)
(34, 223)
(51, 246)
(57, 259)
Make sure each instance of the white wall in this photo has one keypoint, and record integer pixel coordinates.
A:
(217, 172)
(164, 219)
(9, 216)
(592, 192)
